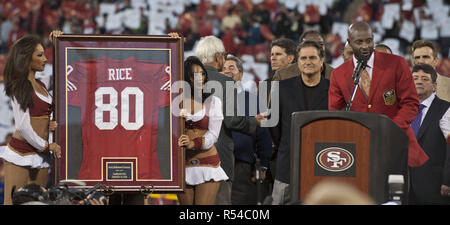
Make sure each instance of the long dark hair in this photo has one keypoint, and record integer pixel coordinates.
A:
(189, 75)
(16, 71)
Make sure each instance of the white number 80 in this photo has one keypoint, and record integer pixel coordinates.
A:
(125, 108)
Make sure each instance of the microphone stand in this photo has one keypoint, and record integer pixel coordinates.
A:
(361, 65)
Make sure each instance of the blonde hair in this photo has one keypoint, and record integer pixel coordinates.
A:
(335, 192)
(207, 48)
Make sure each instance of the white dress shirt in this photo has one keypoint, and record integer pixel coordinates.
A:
(444, 122)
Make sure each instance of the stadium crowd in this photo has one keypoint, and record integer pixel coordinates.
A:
(245, 26)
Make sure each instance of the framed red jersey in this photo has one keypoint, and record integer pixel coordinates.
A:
(113, 108)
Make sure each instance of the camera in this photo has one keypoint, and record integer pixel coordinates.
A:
(60, 194)
(63, 195)
(95, 195)
(29, 193)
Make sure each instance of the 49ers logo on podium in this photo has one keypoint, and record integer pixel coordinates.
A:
(334, 159)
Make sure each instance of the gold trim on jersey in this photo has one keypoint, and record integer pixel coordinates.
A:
(202, 165)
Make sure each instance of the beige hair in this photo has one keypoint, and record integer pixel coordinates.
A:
(335, 192)
(207, 48)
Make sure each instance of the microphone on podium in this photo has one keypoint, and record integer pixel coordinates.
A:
(360, 66)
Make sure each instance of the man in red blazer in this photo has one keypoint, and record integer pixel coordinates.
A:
(391, 91)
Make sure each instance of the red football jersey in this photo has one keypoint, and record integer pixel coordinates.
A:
(119, 101)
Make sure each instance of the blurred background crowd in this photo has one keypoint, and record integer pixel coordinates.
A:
(246, 26)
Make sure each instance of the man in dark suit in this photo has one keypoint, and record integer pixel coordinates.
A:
(430, 182)
(386, 86)
(292, 70)
(283, 53)
(245, 189)
(308, 91)
(211, 52)
(424, 51)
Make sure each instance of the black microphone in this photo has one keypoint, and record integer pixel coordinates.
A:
(396, 183)
(360, 66)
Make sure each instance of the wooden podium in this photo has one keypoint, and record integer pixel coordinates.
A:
(360, 148)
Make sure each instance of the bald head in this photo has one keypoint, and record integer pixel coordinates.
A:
(360, 39)
(359, 26)
(313, 35)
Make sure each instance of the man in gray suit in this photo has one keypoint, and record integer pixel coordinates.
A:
(293, 70)
(211, 51)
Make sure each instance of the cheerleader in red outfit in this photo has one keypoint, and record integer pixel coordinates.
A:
(203, 120)
(27, 156)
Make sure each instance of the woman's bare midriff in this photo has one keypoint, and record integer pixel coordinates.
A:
(39, 125)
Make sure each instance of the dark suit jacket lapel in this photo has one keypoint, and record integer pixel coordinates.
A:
(427, 120)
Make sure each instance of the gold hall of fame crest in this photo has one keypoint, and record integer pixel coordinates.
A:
(389, 97)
